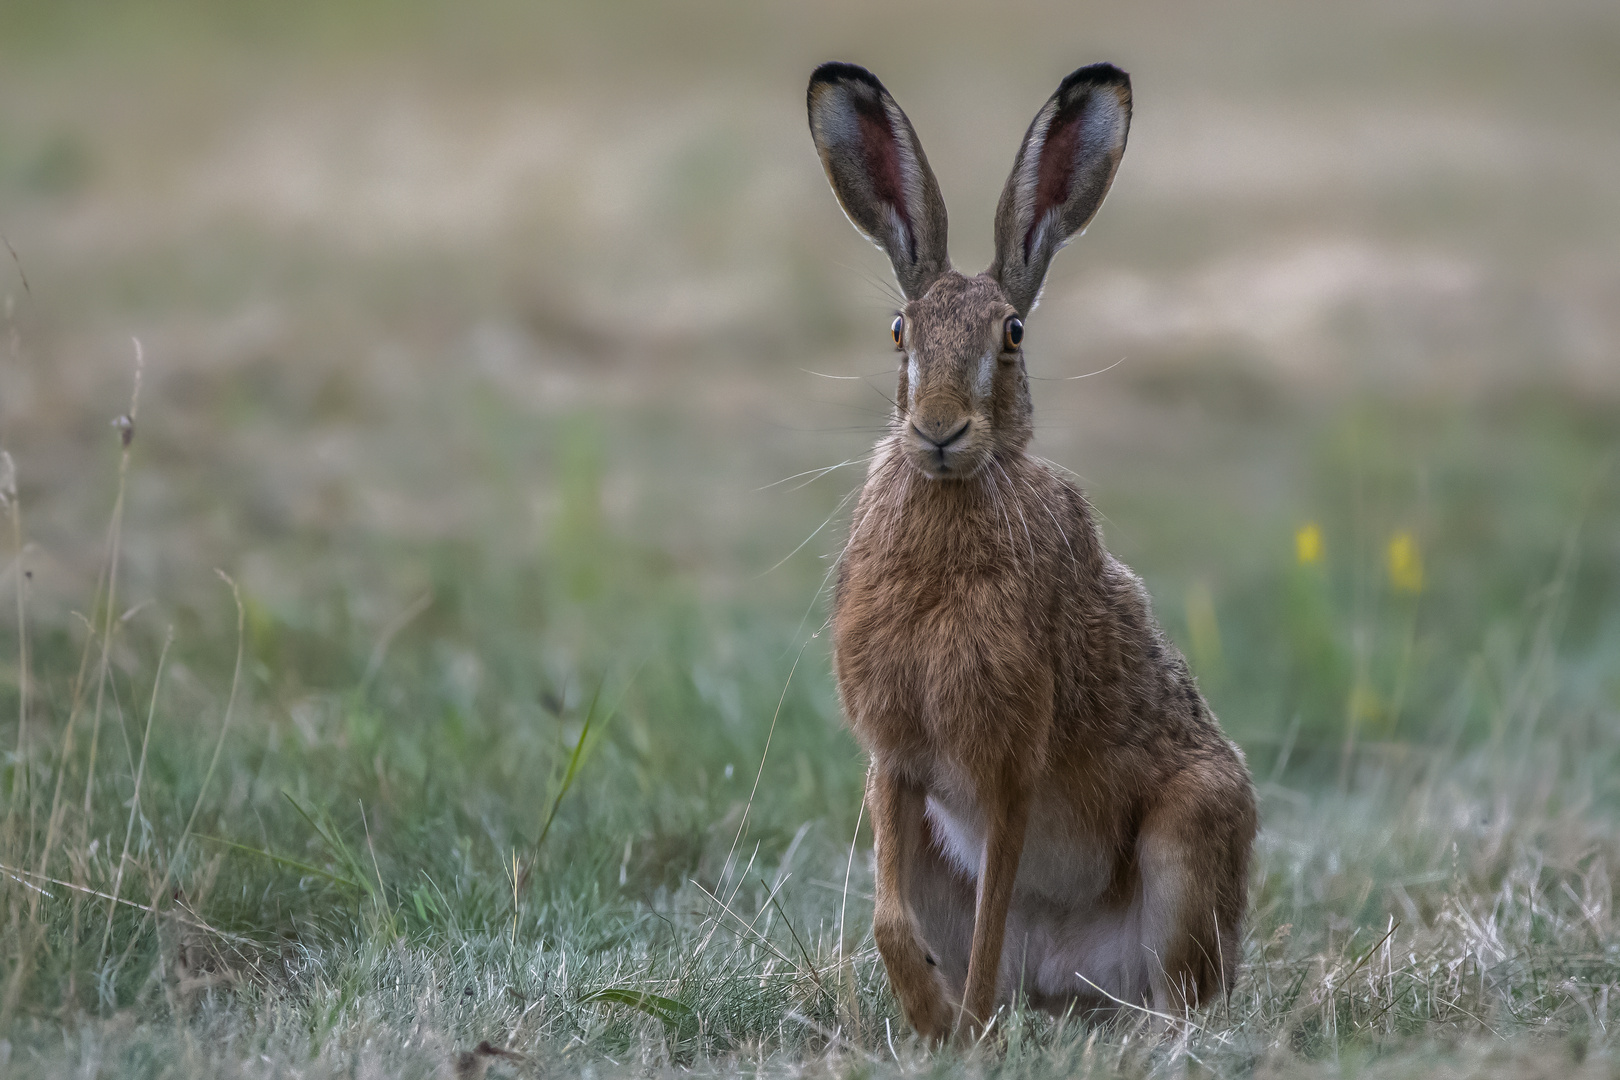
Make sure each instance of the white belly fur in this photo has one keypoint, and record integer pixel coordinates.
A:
(1061, 939)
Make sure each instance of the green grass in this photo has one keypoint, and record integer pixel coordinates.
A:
(523, 811)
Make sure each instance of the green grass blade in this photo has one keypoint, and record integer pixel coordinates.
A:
(581, 752)
(293, 864)
(671, 1013)
(335, 847)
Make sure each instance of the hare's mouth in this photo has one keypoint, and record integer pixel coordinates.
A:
(945, 451)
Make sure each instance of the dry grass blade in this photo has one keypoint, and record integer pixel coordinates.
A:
(380, 897)
(846, 977)
(832, 1036)
(135, 799)
(764, 754)
(230, 711)
(213, 763)
(747, 927)
(380, 650)
(20, 792)
(102, 598)
(20, 875)
(809, 964)
(115, 540)
(27, 291)
(1167, 1018)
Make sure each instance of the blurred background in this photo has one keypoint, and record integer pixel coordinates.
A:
(422, 284)
(478, 337)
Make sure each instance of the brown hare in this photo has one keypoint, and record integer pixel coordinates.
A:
(1056, 812)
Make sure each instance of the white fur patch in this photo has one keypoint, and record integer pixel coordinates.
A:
(986, 377)
(905, 247)
(1029, 172)
(1056, 867)
(1061, 938)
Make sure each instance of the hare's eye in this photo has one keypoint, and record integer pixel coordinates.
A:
(898, 331)
(1013, 333)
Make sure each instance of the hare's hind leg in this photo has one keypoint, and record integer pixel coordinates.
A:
(905, 858)
(1193, 852)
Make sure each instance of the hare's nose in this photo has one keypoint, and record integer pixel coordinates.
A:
(939, 433)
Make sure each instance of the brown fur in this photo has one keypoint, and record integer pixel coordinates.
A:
(1055, 809)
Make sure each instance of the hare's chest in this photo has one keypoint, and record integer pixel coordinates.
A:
(928, 665)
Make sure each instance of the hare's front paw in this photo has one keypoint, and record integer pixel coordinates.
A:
(930, 1014)
(915, 979)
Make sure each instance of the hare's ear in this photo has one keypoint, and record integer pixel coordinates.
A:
(877, 169)
(1060, 176)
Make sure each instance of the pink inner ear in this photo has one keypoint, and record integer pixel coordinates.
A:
(1055, 171)
(883, 161)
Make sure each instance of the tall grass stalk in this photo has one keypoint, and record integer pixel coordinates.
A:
(20, 789)
(224, 729)
(846, 970)
(115, 540)
(764, 754)
(135, 798)
(102, 597)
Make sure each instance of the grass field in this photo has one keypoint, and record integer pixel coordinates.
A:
(475, 344)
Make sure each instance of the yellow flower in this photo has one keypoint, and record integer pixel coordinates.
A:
(1405, 564)
(1365, 705)
(1308, 543)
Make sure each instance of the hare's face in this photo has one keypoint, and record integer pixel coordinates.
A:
(963, 394)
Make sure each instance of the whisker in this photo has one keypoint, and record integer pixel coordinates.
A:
(889, 290)
(815, 474)
(1049, 463)
(1087, 375)
(867, 410)
(995, 495)
(811, 606)
(857, 378)
(886, 491)
(864, 429)
(836, 510)
(880, 393)
(1079, 489)
(824, 375)
(1017, 505)
(1046, 505)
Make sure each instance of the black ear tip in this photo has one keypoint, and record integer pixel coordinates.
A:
(835, 71)
(1092, 76)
